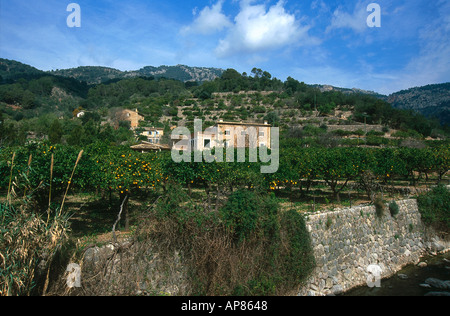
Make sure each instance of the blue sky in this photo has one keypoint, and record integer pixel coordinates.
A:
(326, 42)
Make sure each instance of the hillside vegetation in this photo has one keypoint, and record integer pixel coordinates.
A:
(37, 104)
(431, 100)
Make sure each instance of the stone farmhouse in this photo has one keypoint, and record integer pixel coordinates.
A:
(227, 134)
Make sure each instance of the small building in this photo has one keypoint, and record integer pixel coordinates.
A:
(248, 135)
(131, 116)
(227, 134)
(153, 134)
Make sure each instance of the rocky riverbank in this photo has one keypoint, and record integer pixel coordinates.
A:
(431, 277)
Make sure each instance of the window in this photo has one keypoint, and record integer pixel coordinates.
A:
(207, 143)
(261, 134)
(227, 132)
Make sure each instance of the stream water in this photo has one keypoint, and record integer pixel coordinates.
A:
(407, 282)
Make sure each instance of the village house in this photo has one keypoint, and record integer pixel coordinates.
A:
(227, 134)
(131, 116)
(153, 134)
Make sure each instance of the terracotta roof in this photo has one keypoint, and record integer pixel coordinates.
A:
(150, 146)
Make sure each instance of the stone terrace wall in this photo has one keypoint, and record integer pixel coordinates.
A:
(354, 128)
(347, 241)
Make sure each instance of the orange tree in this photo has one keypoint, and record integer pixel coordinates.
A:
(126, 172)
(440, 160)
(337, 166)
(416, 161)
(297, 167)
(388, 164)
(220, 175)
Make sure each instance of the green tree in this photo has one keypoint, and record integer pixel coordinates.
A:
(75, 136)
(55, 133)
(272, 118)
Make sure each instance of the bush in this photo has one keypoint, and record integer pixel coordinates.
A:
(341, 133)
(393, 208)
(297, 259)
(246, 213)
(251, 250)
(379, 206)
(434, 208)
(375, 133)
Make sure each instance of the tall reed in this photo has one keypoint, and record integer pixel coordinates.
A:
(8, 198)
(70, 181)
(50, 192)
(28, 173)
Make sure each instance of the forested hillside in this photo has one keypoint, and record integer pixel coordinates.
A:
(35, 103)
(431, 100)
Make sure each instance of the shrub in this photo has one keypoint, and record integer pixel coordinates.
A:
(375, 133)
(393, 208)
(247, 248)
(297, 259)
(246, 213)
(434, 207)
(341, 132)
(379, 206)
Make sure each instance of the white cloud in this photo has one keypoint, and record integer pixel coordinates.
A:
(319, 5)
(356, 21)
(209, 21)
(257, 29)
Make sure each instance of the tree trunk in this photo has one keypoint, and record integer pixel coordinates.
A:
(126, 196)
(208, 194)
(217, 198)
(189, 189)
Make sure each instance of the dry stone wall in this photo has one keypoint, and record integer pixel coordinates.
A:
(347, 241)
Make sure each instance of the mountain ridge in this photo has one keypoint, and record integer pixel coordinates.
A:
(431, 100)
(99, 74)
